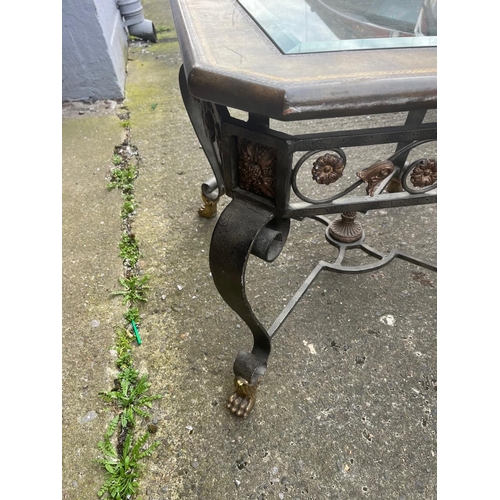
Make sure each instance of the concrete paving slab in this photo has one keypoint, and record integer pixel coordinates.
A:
(91, 228)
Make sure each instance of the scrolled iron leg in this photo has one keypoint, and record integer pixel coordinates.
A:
(243, 229)
(205, 119)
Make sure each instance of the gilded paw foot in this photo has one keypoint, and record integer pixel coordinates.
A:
(209, 207)
(243, 399)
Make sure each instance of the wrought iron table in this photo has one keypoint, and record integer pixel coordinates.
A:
(303, 60)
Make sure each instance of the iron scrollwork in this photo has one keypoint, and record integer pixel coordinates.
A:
(205, 118)
(212, 126)
(375, 174)
(419, 177)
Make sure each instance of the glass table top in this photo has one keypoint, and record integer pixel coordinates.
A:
(305, 26)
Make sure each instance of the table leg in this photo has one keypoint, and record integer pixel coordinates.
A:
(210, 197)
(206, 123)
(242, 230)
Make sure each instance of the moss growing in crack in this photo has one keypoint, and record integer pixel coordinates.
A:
(162, 29)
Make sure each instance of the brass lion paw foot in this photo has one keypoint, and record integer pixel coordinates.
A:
(209, 207)
(243, 399)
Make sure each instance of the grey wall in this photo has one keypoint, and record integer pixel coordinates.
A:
(94, 50)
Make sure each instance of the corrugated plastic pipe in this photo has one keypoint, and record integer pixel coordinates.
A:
(131, 11)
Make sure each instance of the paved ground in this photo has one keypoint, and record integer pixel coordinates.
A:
(347, 409)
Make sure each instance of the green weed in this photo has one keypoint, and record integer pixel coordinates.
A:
(129, 395)
(122, 463)
(123, 178)
(129, 249)
(132, 315)
(123, 470)
(116, 159)
(123, 348)
(134, 289)
(128, 207)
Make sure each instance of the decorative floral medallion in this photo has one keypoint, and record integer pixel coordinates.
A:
(424, 174)
(328, 168)
(257, 168)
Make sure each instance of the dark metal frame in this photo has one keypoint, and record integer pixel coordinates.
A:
(257, 223)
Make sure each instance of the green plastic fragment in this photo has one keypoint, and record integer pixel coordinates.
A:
(137, 336)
